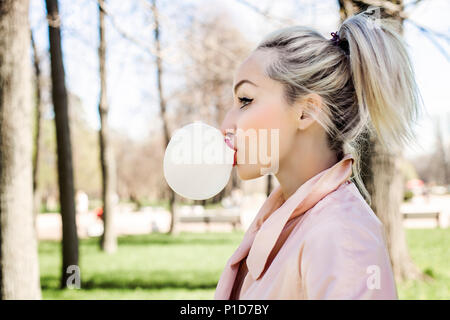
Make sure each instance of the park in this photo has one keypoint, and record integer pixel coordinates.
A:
(351, 98)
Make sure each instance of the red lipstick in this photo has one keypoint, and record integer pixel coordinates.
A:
(228, 142)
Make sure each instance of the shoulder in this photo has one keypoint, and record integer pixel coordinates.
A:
(344, 212)
(342, 242)
(342, 223)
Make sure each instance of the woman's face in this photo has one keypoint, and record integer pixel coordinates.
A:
(262, 124)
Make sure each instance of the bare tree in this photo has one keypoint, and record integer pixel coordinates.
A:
(38, 103)
(108, 239)
(162, 106)
(64, 146)
(269, 185)
(218, 57)
(37, 126)
(440, 159)
(19, 266)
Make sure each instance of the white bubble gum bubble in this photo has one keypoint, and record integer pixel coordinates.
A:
(197, 161)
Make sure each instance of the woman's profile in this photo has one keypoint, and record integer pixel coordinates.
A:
(315, 236)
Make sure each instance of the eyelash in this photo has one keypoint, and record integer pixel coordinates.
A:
(244, 99)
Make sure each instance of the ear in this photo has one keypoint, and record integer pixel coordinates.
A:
(309, 105)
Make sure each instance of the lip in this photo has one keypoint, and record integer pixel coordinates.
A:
(230, 144)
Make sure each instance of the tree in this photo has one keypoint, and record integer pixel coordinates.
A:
(19, 267)
(440, 162)
(37, 127)
(108, 239)
(162, 106)
(380, 168)
(64, 146)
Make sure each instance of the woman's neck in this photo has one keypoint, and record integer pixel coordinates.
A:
(301, 164)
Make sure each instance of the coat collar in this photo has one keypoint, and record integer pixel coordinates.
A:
(266, 228)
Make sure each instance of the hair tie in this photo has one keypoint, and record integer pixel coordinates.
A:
(341, 43)
(335, 38)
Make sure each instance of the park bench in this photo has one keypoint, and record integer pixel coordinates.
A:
(213, 215)
(424, 215)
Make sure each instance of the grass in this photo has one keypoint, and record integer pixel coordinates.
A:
(154, 266)
(430, 250)
(188, 266)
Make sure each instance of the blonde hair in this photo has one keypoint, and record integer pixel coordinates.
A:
(366, 82)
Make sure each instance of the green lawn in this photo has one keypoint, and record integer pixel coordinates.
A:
(430, 250)
(188, 266)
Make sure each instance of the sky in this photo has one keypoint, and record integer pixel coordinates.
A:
(134, 108)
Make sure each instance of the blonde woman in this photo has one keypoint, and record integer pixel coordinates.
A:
(315, 237)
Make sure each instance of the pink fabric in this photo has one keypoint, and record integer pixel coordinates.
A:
(323, 242)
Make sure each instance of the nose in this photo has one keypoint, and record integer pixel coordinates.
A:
(228, 129)
(228, 126)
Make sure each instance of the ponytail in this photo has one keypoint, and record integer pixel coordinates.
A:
(383, 78)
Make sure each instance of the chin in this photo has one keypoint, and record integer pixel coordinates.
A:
(248, 171)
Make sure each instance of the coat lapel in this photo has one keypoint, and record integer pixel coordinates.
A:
(227, 279)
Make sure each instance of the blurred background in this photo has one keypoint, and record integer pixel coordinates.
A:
(109, 81)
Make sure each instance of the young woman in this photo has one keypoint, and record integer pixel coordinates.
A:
(315, 237)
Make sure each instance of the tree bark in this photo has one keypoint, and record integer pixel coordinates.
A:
(269, 185)
(64, 146)
(108, 241)
(162, 104)
(19, 265)
(440, 163)
(38, 125)
(383, 180)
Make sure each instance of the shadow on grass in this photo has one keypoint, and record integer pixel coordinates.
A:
(184, 239)
(151, 280)
(47, 246)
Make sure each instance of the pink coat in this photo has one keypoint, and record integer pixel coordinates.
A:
(323, 242)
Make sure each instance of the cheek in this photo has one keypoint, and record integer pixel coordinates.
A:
(266, 118)
(261, 117)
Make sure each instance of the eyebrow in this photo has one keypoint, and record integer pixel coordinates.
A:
(242, 82)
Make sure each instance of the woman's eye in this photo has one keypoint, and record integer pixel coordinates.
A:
(245, 100)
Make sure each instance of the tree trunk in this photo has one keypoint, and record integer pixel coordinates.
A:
(440, 162)
(19, 265)
(162, 103)
(269, 184)
(383, 179)
(385, 184)
(64, 146)
(38, 125)
(108, 239)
